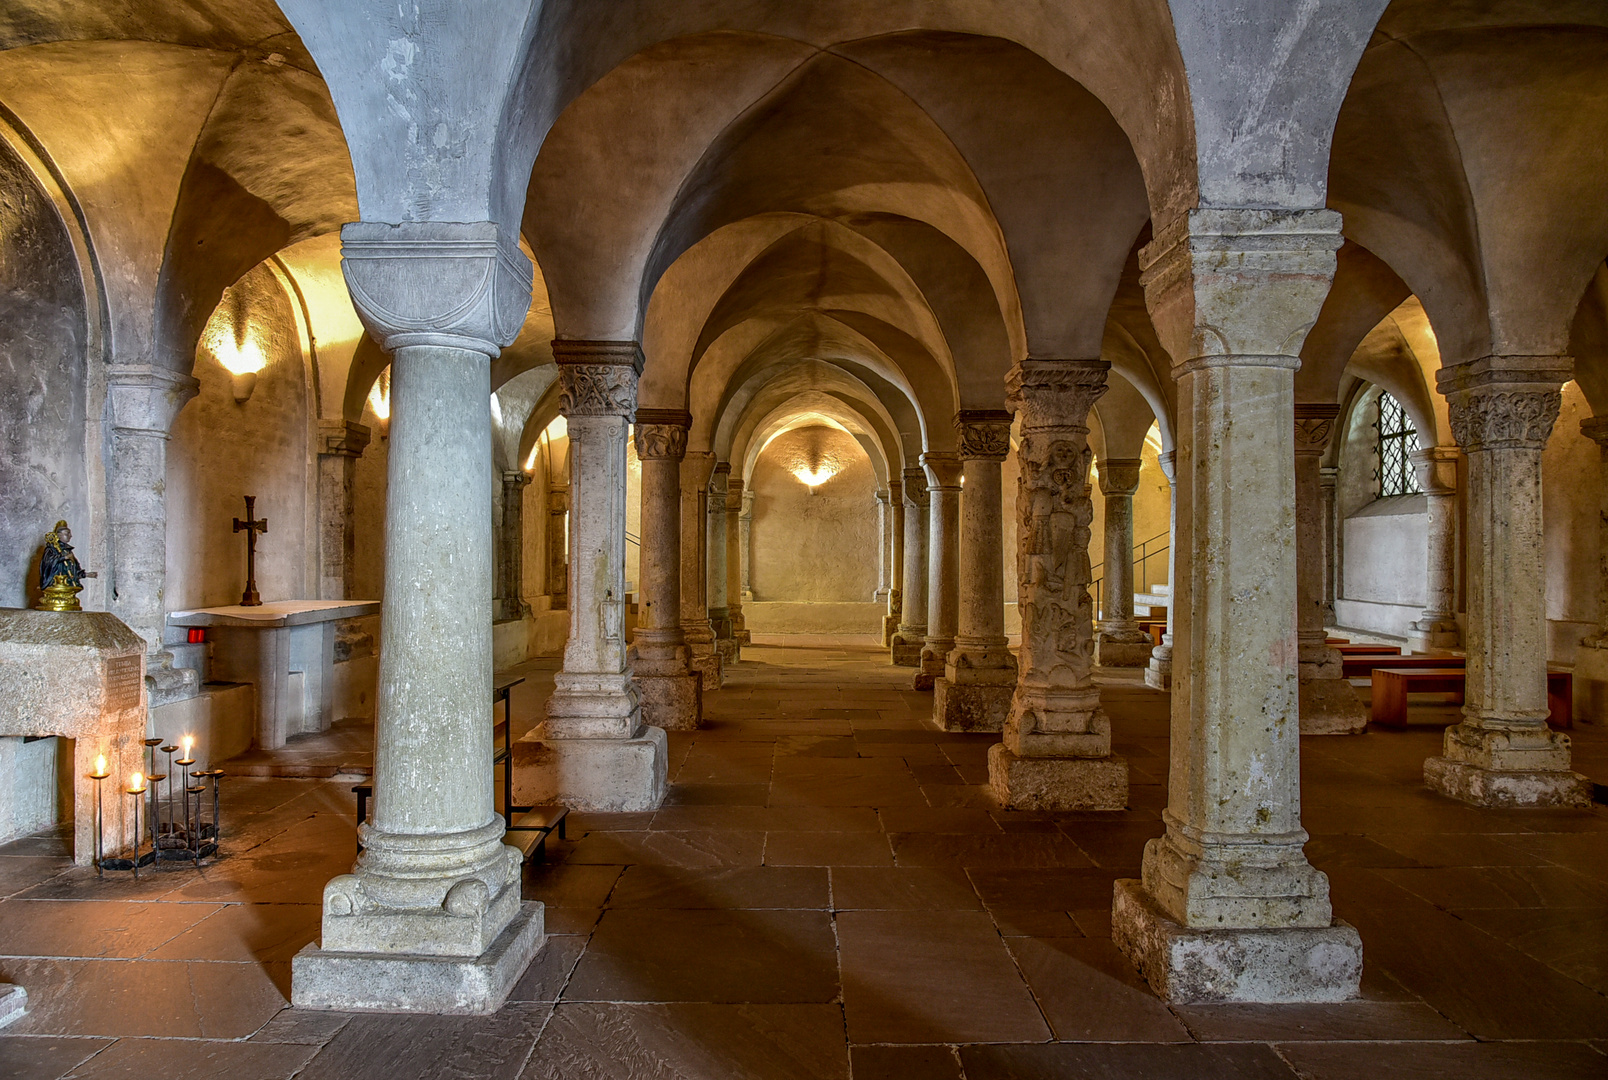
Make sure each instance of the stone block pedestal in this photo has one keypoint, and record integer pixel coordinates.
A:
(608, 775)
(1268, 966)
(907, 653)
(1331, 707)
(1057, 783)
(392, 982)
(970, 706)
(671, 695)
(1117, 652)
(1528, 767)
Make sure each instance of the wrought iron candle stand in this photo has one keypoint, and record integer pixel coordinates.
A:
(100, 774)
(136, 791)
(191, 840)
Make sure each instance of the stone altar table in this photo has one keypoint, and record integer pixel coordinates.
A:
(286, 649)
(78, 675)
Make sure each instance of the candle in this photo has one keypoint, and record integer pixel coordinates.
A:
(189, 741)
(100, 767)
(136, 784)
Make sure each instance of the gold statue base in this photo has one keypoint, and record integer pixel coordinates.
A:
(60, 596)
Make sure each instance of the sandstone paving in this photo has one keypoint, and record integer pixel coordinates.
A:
(831, 890)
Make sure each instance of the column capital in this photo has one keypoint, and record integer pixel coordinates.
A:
(734, 493)
(462, 285)
(1168, 461)
(943, 470)
(881, 495)
(145, 400)
(661, 434)
(985, 434)
(895, 490)
(1239, 287)
(1055, 394)
(597, 378)
(558, 501)
(1437, 469)
(696, 468)
(1314, 425)
(748, 503)
(1504, 402)
(1595, 428)
(1119, 476)
(342, 437)
(915, 486)
(515, 478)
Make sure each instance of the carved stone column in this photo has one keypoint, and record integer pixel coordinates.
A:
(911, 637)
(510, 600)
(735, 496)
(745, 526)
(1503, 753)
(943, 565)
(671, 692)
(431, 919)
(703, 658)
(1056, 753)
(719, 605)
(1120, 642)
(1591, 661)
(1327, 478)
(884, 548)
(1228, 908)
(1158, 675)
(594, 751)
(1437, 627)
(979, 672)
(340, 444)
(143, 402)
(558, 546)
(896, 553)
(1329, 705)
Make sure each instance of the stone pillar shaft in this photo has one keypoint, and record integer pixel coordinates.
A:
(912, 634)
(1158, 675)
(700, 634)
(1328, 704)
(1437, 627)
(884, 547)
(719, 602)
(746, 541)
(670, 691)
(943, 564)
(1327, 478)
(735, 496)
(340, 444)
(1591, 661)
(1503, 754)
(511, 547)
(557, 546)
(979, 677)
(896, 552)
(1120, 642)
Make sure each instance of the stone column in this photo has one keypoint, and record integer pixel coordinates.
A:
(1503, 753)
(745, 528)
(734, 564)
(1327, 478)
(1120, 642)
(670, 690)
(884, 548)
(1158, 676)
(1228, 908)
(1056, 753)
(594, 751)
(1437, 627)
(896, 525)
(715, 526)
(431, 919)
(704, 658)
(557, 546)
(1591, 661)
(1328, 703)
(340, 444)
(911, 637)
(979, 672)
(511, 547)
(143, 402)
(943, 565)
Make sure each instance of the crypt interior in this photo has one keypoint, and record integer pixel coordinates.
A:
(950, 539)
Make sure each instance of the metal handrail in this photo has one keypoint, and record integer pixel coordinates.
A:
(1141, 562)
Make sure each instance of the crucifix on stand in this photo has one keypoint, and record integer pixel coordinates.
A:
(251, 527)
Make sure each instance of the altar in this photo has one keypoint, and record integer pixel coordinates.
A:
(286, 649)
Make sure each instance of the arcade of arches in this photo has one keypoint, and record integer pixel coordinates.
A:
(885, 416)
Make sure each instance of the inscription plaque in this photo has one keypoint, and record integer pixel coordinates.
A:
(122, 682)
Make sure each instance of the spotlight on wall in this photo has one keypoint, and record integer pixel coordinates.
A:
(242, 361)
(814, 478)
(379, 398)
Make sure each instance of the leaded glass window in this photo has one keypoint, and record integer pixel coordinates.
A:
(1398, 442)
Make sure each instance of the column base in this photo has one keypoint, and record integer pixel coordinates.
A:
(1331, 707)
(1120, 651)
(967, 706)
(1057, 783)
(1158, 676)
(390, 982)
(906, 648)
(1499, 789)
(673, 702)
(1258, 966)
(13, 1003)
(711, 674)
(729, 650)
(1591, 681)
(890, 627)
(1428, 635)
(608, 775)
(931, 666)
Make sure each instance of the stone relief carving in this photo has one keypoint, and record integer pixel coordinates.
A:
(1312, 434)
(1053, 572)
(597, 390)
(984, 439)
(661, 441)
(1520, 419)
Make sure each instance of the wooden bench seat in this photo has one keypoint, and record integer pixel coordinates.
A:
(1361, 666)
(1368, 650)
(1392, 685)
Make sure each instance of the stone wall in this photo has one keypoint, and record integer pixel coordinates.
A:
(819, 547)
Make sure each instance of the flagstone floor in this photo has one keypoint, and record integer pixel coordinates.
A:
(830, 891)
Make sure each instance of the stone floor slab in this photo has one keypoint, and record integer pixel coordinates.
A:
(45, 1058)
(377, 1047)
(1131, 1062)
(1446, 1061)
(1089, 992)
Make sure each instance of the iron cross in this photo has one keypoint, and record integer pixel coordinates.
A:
(251, 527)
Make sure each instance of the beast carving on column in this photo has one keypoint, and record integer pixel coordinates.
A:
(1054, 514)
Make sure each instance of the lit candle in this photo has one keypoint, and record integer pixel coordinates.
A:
(100, 767)
(136, 784)
(189, 741)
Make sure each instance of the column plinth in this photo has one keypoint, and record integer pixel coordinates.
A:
(1503, 753)
(431, 919)
(1329, 705)
(1227, 907)
(1120, 642)
(594, 750)
(979, 676)
(671, 692)
(1056, 751)
(911, 637)
(943, 473)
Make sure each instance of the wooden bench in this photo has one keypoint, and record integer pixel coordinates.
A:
(1368, 650)
(1360, 666)
(1337, 641)
(1392, 685)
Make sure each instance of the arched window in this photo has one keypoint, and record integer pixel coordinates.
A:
(1398, 442)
